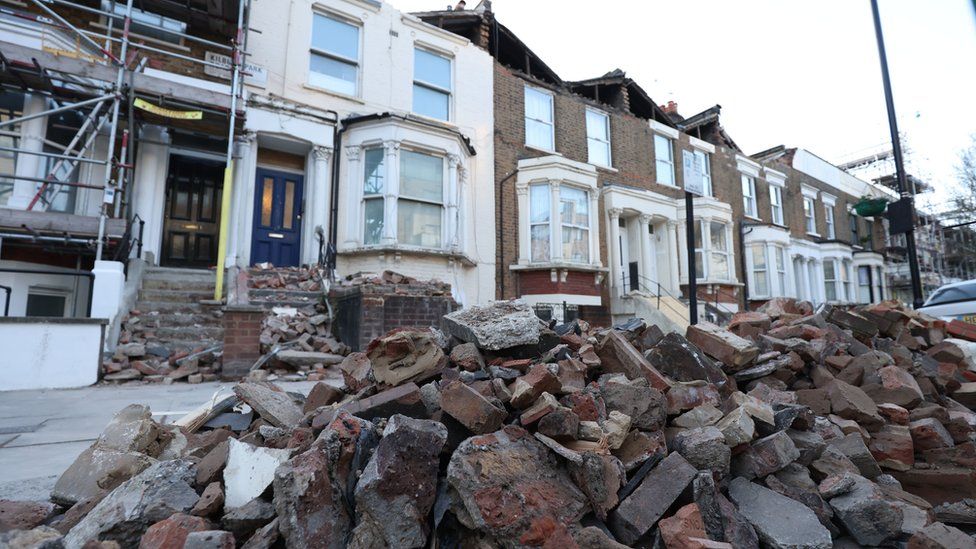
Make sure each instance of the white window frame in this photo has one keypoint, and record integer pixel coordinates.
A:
(669, 161)
(555, 222)
(810, 216)
(829, 220)
(597, 141)
(831, 282)
(434, 87)
(52, 291)
(562, 225)
(780, 266)
(755, 270)
(391, 212)
(547, 223)
(357, 63)
(704, 160)
(551, 122)
(776, 204)
(749, 203)
(705, 230)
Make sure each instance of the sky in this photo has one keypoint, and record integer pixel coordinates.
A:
(797, 73)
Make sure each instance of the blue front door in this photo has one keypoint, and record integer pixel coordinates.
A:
(277, 218)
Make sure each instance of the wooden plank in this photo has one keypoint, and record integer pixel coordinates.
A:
(60, 223)
(106, 73)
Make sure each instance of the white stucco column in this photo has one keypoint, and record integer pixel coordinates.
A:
(391, 193)
(524, 233)
(817, 280)
(684, 248)
(808, 293)
(354, 192)
(594, 227)
(149, 186)
(615, 272)
(790, 290)
(238, 245)
(319, 214)
(555, 223)
(673, 257)
(32, 134)
(453, 191)
(773, 273)
(852, 282)
(647, 259)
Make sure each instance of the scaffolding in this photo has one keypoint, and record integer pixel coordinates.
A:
(97, 81)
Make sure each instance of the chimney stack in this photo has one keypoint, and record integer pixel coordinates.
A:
(670, 108)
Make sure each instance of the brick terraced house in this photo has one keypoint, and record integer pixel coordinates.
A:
(589, 182)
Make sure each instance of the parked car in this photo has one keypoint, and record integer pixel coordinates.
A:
(953, 301)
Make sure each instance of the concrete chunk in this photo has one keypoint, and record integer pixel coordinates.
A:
(250, 470)
(636, 515)
(781, 522)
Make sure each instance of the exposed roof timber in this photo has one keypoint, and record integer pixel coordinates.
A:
(704, 119)
(641, 104)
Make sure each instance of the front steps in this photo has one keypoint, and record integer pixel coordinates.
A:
(173, 309)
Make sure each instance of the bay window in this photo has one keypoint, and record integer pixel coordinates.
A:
(569, 234)
(420, 205)
(539, 225)
(575, 221)
(373, 188)
(598, 137)
(711, 243)
(749, 195)
(780, 254)
(864, 285)
(811, 222)
(431, 84)
(760, 270)
(539, 119)
(664, 160)
(776, 203)
(830, 279)
(334, 58)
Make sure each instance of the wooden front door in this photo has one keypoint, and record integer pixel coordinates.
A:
(276, 237)
(192, 218)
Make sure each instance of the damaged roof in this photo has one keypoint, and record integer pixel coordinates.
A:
(613, 89)
(706, 126)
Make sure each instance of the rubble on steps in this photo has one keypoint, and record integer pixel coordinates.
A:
(145, 361)
(392, 278)
(826, 428)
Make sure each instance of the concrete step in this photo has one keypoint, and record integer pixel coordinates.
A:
(178, 318)
(191, 284)
(167, 307)
(294, 295)
(173, 295)
(190, 332)
(176, 345)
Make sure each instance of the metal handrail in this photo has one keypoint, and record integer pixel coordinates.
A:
(660, 289)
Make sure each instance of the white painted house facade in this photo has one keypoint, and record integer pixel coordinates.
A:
(404, 108)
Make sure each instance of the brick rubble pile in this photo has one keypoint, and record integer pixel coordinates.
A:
(793, 428)
(139, 357)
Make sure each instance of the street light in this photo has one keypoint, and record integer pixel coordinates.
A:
(908, 202)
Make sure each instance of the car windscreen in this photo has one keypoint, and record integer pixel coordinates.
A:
(952, 295)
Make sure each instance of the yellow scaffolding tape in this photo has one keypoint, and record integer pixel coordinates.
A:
(168, 113)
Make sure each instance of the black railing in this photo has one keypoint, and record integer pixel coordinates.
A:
(87, 274)
(647, 285)
(128, 241)
(7, 290)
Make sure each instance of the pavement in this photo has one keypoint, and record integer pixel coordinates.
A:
(42, 432)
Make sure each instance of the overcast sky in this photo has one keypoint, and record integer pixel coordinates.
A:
(799, 73)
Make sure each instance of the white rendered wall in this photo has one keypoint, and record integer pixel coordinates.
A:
(49, 354)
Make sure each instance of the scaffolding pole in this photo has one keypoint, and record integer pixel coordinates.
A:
(110, 155)
(225, 202)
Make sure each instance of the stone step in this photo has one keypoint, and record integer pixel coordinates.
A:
(188, 332)
(173, 295)
(167, 307)
(176, 345)
(294, 295)
(179, 319)
(192, 284)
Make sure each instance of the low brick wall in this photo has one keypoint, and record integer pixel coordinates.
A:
(242, 339)
(368, 311)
